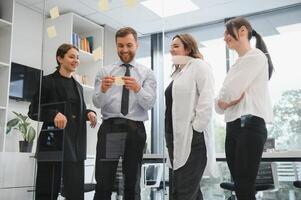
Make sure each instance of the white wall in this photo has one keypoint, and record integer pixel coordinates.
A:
(26, 50)
(27, 37)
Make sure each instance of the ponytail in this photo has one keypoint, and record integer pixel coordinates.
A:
(261, 45)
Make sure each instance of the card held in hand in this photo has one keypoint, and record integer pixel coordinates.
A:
(119, 80)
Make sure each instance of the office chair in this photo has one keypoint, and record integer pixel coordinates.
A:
(152, 178)
(266, 180)
(297, 184)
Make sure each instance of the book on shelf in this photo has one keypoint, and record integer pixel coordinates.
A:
(90, 41)
(83, 43)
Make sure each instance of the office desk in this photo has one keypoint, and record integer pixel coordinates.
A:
(275, 156)
(153, 158)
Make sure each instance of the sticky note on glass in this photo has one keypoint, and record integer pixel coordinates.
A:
(51, 31)
(131, 2)
(103, 5)
(118, 80)
(97, 54)
(54, 12)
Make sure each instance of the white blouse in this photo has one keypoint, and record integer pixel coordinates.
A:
(250, 75)
(193, 99)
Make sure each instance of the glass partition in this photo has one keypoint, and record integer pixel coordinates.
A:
(21, 27)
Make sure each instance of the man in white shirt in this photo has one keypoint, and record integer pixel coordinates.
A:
(124, 91)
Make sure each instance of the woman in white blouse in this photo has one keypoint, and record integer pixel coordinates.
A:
(245, 101)
(189, 105)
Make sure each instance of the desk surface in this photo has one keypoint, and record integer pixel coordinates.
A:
(275, 156)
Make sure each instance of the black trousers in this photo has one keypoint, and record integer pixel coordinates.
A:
(185, 181)
(131, 162)
(50, 174)
(245, 138)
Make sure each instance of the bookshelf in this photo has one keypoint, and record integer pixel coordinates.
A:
(6, 21)
(66, 25)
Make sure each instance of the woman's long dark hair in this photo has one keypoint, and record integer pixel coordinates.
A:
(236, 23)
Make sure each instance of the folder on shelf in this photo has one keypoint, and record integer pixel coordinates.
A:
(90, 41)
(74, 39)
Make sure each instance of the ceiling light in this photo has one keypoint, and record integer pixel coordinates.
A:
(166, 8)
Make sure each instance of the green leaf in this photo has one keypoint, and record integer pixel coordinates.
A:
(22, 117)
(26, 124)
(17, 114)
(23, 130)
(30, 134)
(13, 122)
(8, 129)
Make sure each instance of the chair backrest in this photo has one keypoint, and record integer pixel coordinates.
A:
(267, 174)
(152, 174)
(297, 170)
(286, 171)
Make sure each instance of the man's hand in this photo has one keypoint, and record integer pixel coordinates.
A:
(92, 118)
(106, 83)
(131, 84)
(60, 121)
(224, 105)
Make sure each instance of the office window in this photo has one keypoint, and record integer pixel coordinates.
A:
(285, 84)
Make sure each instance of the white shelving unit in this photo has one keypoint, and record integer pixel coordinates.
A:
(6, 21)
(65, 25)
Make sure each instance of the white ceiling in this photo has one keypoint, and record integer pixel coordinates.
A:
(146, 22)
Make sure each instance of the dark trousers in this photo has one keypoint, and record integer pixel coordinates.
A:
(184, 182)
(49, 176)
(131, 162)
(245, 138)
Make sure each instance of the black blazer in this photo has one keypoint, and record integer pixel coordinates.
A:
(53, 143)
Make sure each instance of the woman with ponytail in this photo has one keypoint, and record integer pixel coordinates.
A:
(245, 101)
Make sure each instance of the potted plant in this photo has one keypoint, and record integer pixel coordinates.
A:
(20, 123)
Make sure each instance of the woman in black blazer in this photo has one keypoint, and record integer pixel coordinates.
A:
(61, 148)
